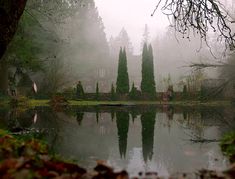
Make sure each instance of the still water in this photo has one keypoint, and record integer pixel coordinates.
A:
(164, 139)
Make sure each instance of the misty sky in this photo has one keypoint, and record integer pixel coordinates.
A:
(132, 15)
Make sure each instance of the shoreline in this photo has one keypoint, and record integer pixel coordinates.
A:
(45, 103)
(134, 103)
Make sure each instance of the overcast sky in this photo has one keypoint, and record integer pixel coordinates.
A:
(132, 15)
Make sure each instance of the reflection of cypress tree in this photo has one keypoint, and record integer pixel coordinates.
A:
(123, 127)
(148, 122)
(185, 115)
(80, 117)
(133, 115)
(97, 114)
(170, 112)
(112, 115)
(122, 84)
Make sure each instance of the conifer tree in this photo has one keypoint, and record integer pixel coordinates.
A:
(122, 78)
(134, 92)
(112, 92)
(79, 91)
(97, 91)
(148, 81)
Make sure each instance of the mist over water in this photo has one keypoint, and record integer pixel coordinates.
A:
(135, 138)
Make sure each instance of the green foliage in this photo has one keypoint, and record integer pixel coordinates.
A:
(148, 122)
(79, 91)
(185, 92)
(29, 44)
(16, 147)
(185, 89)
(148, 81)
(203, 94)
(123, 77)
(69, 93)
(25, 158)
(113, 95)
(134, 93)
(123, 119)
(228, 146)
(97, 91)
(19, 101)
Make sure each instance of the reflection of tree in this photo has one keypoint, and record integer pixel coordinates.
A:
(123, 127)
(148, 122)
(134, 115)
(112, 115)
(97, 115)
(80, 117)
(169, 110)
(19, 119)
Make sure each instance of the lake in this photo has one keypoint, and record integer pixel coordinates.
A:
(163, 139)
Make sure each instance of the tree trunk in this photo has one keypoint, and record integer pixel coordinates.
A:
(10, 13)
(3, 76)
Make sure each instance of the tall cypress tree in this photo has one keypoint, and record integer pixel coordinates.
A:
(122, 128)
(97, 91)
(123, 77)
(148, 123)
(148, 82)
(112, 92)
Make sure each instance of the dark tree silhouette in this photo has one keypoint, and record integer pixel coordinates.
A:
(97, 91)
(148, 122)
(200, 16)
(112, 92)
(80, 91)
(123, 127)
(80, 116)
(123, 77)
(10, 13)
(148, 81)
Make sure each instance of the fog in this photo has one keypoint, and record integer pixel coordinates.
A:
(81, 42)
(132, 15)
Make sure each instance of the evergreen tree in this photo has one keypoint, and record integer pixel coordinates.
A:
(134, 92)
(122, 40)
(80, 91)
(185, 91)
(122, 121)
(80, 116)
(148, 123)
(148, 81)
(97, 93)
(112, 92)
(145, 35)
(122, 78)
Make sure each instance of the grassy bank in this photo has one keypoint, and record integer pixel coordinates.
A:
(34, 103)
(133, 103)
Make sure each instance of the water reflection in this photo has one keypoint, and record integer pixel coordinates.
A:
(80, 116)
(134, 138)
(148, 123)
(122, 127)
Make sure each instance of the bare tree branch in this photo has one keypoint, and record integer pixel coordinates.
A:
(201, 16)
